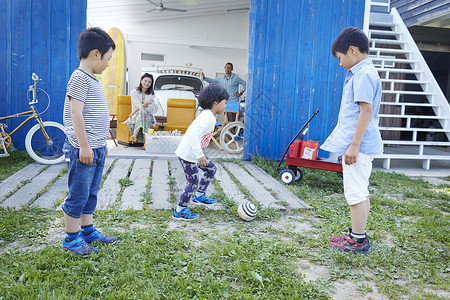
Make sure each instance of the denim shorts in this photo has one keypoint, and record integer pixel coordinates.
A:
(84, 181)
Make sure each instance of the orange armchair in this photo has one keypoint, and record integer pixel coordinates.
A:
(123, 112)
(180, 114)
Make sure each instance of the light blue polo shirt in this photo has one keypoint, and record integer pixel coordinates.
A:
(362, 84)
(230, 84)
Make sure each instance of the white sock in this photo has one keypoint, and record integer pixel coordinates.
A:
(179, 208)
(358, 235)
(198, 194)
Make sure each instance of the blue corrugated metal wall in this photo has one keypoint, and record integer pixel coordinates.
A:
(40, 37)
(292, 71)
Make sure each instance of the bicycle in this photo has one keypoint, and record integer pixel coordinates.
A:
(44, 141)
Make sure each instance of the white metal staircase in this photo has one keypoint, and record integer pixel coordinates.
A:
(414, 113)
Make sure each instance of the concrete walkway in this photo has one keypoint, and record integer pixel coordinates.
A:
(158, 182)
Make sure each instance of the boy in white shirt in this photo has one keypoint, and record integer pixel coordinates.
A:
(213, 99)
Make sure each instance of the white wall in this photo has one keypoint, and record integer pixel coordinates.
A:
(208, 42)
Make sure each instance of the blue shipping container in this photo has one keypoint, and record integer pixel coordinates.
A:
(39, 37)
(292, 71)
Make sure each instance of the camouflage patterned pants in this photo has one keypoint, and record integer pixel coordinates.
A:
(192, 177)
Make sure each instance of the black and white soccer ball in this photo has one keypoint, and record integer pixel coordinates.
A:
(247, 211)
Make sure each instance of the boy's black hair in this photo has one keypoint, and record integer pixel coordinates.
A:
(228, 63)
(212, 93)
(150, 89)
(94, 38)
(350, 36)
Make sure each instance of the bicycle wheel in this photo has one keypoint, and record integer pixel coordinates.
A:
(48, 153)
(232, 137)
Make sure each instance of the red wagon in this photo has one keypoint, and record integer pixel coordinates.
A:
(303, 154)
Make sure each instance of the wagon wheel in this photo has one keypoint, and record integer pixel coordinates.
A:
(298, 173)
(6, 139)
(232, 137)
(287, 176)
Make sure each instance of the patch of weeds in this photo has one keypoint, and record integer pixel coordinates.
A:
(147, 196)
(282, 203)
(25, 223)
(124, 182)
(364, 288)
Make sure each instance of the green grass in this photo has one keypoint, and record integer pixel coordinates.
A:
(24, 224)
(14, 162)
(221, 257)
(409, 227)
(161, 264)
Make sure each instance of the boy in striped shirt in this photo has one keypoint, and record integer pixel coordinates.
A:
(86, 122)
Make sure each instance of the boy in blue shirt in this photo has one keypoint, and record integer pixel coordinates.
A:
(356, 136)
(86, 121)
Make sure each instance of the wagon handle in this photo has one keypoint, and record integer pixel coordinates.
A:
(287, 149)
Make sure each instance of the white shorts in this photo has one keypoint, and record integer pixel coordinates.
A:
(356, 179)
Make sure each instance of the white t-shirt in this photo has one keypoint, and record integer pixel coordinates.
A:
(197, 137)
(137, 101)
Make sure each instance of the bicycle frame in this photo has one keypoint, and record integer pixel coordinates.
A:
(32, 114)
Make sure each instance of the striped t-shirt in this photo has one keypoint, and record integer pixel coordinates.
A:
(83, 87)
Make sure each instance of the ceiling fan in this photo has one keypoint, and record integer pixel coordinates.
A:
(160, 7)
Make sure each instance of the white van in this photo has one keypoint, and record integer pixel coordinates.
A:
(175, 82)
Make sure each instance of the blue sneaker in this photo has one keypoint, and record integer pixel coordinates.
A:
(184, 214)
(95, 235)
(203, 199)
(79, 246)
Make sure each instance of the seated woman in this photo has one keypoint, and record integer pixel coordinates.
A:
(143, 103)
